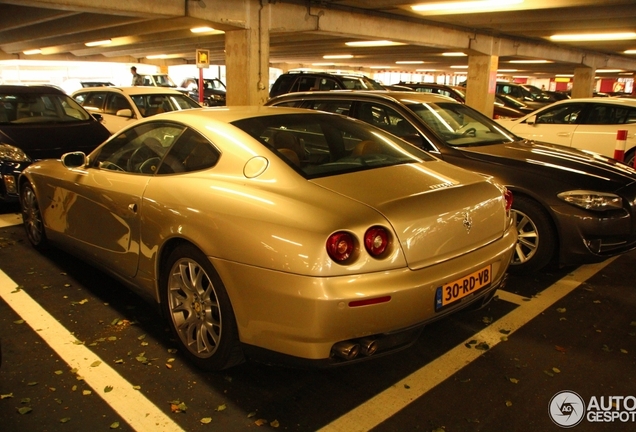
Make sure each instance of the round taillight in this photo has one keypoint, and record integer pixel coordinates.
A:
(340, 246)
(376, 240)
(508, 198)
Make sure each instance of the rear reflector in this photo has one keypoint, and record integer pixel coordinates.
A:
(370, 301)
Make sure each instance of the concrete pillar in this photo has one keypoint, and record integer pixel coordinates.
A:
(583, 83)
(247, 58)
(482, 82)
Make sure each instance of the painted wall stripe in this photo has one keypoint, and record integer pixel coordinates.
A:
(382, 406)
(130, 404)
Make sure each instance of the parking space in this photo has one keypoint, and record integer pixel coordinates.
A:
(479, 370)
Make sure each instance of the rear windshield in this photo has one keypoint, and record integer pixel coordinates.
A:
(152, 104)
(319, 145)
(30, 108)
(459, 125)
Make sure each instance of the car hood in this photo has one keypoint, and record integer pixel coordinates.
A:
(437, 211)
(51, 140)
(576, 167)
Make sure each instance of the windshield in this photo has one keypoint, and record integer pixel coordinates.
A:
(19, 108)
(320, 145)
(164, 81)
(459, 125)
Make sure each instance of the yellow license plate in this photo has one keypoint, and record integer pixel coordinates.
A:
(456, 290)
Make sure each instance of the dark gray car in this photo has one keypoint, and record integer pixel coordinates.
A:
(571, 207)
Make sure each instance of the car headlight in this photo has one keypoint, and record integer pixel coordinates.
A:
(12, 154)
(590, 200)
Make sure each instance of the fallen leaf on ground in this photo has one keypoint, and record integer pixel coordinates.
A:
(206, 420)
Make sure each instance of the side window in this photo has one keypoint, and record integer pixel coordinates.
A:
(561, 114)
(327, 84)
(138, 150)
(94, 101)
(611, 114)
(116, 102)
(338, 107)
(191, 152)
(306, 84)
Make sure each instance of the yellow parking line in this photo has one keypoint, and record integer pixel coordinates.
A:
(130, 404)
(399, 395)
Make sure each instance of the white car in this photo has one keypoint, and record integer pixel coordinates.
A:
(588, 124)
(122, 106)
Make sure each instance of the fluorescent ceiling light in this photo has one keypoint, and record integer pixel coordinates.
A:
(565, 75)
(201, 29)
(507, 70)
(454, 54)
(609, 70)
(323, 64)
(338, 56)
(593, 37)
(32, 52)
(630, 51)
(472, 5)
(373, 43)
(98, 43)
(157, 56)
(410, 62)
(626, 73)
(530, 61)
(459, 67)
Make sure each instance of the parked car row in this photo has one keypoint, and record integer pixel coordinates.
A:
(425, 196)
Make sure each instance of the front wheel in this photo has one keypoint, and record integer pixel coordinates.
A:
(32, 217)
(536, 241)
(629, 159)
(199, 310)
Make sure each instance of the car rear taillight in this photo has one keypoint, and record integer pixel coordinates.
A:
(340, 246)
(376, 240)
(508, 197)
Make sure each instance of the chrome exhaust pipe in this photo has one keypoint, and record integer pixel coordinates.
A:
(346, 350)
(368, 346)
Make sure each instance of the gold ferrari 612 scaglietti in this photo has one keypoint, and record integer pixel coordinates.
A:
(302, 236)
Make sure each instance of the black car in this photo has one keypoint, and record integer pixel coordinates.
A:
(214, 92)
(571, 207)
(297, 81)
(40, 122)
(500, 110)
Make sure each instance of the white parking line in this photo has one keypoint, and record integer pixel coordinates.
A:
(130, 404)
(10, 219)
(399, 395)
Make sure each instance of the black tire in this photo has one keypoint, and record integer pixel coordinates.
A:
(199, 311)
(537, 242)
(32, 217)
(629, 158)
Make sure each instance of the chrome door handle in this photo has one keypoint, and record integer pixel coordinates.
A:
(132, 207)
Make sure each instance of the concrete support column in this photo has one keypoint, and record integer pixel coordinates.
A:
(583, 83)
(247, 58)
(482, 82)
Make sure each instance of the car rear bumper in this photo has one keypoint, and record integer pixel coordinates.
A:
(304, 317)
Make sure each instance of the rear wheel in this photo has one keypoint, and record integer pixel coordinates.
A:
(32, 217)
(536, 241)
(629, 158)
(199, 310)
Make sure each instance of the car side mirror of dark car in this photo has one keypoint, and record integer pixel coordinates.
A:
(98, 117)
(532, 120)
(74, 159)
(124, 113)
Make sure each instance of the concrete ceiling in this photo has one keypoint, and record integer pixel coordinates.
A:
(302, 32)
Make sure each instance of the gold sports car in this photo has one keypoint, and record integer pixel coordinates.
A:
(277, 233)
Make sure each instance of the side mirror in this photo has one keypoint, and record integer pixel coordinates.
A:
(74, 159)
(532, 120)
(124, 113)
(98, 117)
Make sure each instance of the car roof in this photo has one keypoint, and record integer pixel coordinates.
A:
(605, 100)
(204, 116)
(402, 96)
(132, 90)
(17, 88)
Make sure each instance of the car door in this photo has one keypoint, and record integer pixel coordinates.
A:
(555, 124)
(98, 208)
(599, 127)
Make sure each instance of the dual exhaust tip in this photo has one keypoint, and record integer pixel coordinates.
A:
(348, 350)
